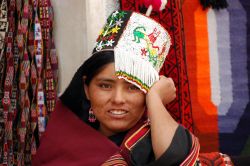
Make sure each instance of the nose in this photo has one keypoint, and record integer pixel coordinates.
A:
(118, 96)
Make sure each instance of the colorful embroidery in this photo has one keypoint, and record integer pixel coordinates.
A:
(132, 78)
(110, 31)
(150, 50)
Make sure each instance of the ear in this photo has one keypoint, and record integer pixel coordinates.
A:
(86, 88)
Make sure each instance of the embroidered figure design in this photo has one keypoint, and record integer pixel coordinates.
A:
(151, 50)
(139, 34)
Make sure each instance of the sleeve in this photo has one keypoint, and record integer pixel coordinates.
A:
(241, 160)
(183, 150)
(196, 158)
(178, 149)
(142, 153)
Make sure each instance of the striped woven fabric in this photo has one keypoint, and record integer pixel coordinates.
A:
(194, 152)
(116, 159)
(218, 55)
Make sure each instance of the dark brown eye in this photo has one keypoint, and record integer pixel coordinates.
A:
(105, 86)
(133, 87)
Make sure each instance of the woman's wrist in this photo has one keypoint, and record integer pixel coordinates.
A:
(153, 97)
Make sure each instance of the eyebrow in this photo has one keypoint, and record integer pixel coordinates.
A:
(110, 80)
(106, 80)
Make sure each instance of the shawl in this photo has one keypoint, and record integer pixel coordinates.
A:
(64, 138)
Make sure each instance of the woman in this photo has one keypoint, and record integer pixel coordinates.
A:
(120, 99)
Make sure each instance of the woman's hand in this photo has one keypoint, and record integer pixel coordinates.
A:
(164, 89)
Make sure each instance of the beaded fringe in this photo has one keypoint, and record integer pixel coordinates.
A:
(135, 70)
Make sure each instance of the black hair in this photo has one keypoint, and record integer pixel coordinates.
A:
(74, 96)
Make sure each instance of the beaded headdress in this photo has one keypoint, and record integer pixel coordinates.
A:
(140, 47)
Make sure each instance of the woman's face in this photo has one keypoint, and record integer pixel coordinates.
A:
(117, 104)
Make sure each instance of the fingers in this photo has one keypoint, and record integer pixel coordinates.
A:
(165, 89)
(169, 82)
(170, 90)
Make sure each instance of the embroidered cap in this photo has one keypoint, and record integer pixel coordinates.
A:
(140, 47)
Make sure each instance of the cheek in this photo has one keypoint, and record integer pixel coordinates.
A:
(97, 103)
(139, 101)
(97, 98)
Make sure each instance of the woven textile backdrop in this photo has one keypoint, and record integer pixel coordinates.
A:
(209, 62)
(218, 53)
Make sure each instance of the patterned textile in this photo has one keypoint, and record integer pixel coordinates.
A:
(175, 63)
(3, 25)
(218, 51)
(116, 159)
(23, 75)
(7, 142)
(211, 159)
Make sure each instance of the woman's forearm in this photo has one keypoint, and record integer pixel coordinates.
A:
(163, 126)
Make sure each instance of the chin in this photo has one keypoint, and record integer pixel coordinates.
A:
(119, 128)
